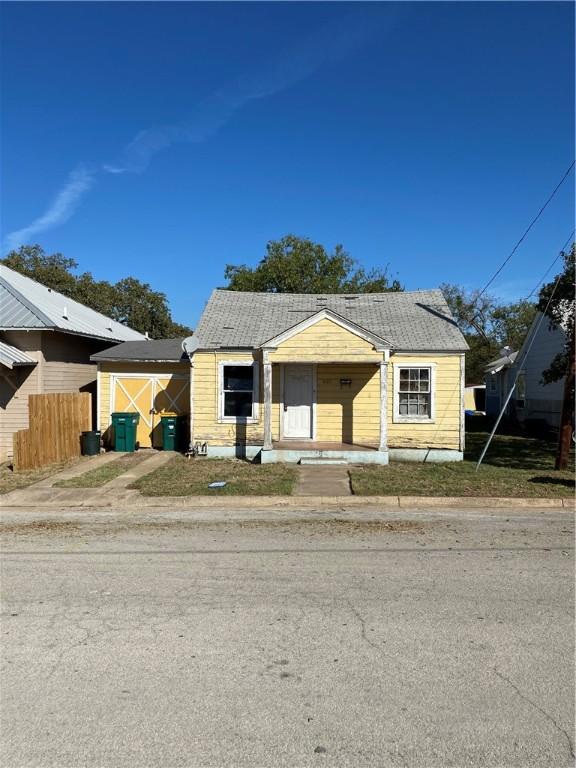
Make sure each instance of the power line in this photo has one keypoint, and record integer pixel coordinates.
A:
(561, 252)
(518, 367)
(534, 220)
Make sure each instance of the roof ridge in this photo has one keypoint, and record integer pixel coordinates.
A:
(342, 293)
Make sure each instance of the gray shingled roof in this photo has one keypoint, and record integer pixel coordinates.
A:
(418, 321)
(24, 303)
(161, 350)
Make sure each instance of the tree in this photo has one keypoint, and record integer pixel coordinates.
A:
(556, 300)
(487, 326)
(298, 265)
(128, 301)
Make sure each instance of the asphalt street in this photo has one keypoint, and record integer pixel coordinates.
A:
(397, 639)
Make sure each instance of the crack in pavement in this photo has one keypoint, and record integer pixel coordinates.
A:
(538, 708)
(363, 634)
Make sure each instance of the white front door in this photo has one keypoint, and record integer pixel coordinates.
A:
(298, 396)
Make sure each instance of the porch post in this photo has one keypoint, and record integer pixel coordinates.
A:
(384, 403)
(267, 403)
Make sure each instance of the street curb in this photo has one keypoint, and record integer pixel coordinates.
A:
(69, 498)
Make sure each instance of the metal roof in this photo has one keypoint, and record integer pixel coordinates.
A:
(24, 303)
(502, 362)
(159, 351)
(11, 357)
(416, 321)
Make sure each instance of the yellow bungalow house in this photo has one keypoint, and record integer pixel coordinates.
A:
(304, 377)
(360, 377)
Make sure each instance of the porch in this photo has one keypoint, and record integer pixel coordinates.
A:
(315, 452)
(325, 412)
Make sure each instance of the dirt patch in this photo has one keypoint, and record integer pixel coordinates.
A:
(311, 527)
(337, 526)
(61, 528)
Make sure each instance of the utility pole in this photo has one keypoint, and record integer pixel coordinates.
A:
(567, 415)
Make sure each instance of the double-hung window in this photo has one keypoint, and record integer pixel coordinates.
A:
(238, 391)
(414, 393)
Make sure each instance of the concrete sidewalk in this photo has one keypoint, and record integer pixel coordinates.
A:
(85, 465)
(106, 497)
(150, 463)
(322, 481)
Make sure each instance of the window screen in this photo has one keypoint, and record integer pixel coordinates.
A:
(414, 396)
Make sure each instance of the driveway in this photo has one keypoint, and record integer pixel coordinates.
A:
(414, 639)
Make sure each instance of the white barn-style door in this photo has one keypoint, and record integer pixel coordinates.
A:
(298, 400)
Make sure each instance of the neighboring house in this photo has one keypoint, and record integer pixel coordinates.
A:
(46, 340)
(499, 378)
(532, 401)
(285, 377)
(535, 401)
(144, 377)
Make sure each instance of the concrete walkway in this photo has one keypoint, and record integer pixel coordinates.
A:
(86, 465)
(314, 480)
(152, 462)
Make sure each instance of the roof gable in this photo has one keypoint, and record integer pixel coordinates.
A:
(326, 314)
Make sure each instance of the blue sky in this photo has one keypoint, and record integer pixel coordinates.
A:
(165, 140)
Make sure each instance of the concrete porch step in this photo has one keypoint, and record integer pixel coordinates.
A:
(323, 460)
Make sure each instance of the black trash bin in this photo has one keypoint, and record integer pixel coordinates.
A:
(91, 443)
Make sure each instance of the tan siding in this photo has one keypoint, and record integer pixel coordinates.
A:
(16, 385)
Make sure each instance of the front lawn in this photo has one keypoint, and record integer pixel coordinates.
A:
(13, 481)
(513, 466)
(101, 475)
(191, 477)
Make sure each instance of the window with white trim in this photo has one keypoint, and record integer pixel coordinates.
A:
(238, 391)
(414, 393)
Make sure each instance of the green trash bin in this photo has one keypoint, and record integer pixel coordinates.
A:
(124, 426)
(91, 443)
(170, 432)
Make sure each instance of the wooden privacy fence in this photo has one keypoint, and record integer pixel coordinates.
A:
(55, 425)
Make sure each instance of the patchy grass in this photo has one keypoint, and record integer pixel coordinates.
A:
(191, 477)
(12, 481)
(513, 466)
(101, 475)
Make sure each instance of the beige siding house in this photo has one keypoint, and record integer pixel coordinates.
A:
(46, 341)
(292, 377)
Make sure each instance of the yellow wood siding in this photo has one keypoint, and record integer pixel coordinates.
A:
(170, 383)
(444, 432)
(343, 414)
(348, 414)
(324, 342)
(206, 395)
